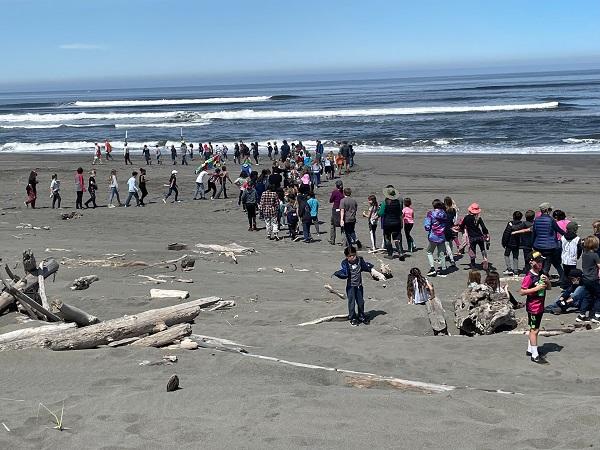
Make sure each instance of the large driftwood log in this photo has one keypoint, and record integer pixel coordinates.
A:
(233, 247)
(30, 304)
(27, 284)
(335, 318)
(480, 311)
(72, 314)
(116, 329)
(165, 337)
(435, 313)
(41, 331)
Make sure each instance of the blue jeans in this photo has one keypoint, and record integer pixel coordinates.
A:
(114, 192)
(199, 190)
(130, 195)
(306, 231)
(578, 297)
(355, 297)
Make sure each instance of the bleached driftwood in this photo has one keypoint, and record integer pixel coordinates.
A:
(184, 280)
(41, 331)
(167, 360)
(81, 283)
(334, 318)
(168, 293)
(217, 340)
(152, 279)
(333, 291)
(231, 255)
(103, 333)
(42, 287)
(278, 269)
(188, 344)
(123, 342)
(377, 275)
(233, 247)
(29, 303)
(72, 314)
(165, 337)
(223, 304)
(28, 284)
(480, 311)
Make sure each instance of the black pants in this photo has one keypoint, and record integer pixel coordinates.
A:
(55, 198)
(410, 242)
(526, 256)
(91, 200)
(144, 192)
(552, 258)
(211, 187)
(128, 159)
(251, 210)
(171, 190)
(79, 201)
(393, 234)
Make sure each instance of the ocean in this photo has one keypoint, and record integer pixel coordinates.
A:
(553, 112)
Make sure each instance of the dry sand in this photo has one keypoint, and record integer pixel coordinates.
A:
(234, 401)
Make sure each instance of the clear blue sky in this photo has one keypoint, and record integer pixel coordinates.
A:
(45, 41)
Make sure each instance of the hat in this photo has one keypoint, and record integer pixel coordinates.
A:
(173, 172)
(572, 227)
(575, 273)
(339, 184)
(474, 208)
(545, 206)
(391, 193)
(537, 257)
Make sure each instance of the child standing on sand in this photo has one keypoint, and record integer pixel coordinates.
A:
(313, 204)
(114, 188)
(351, 270)
(478, 234)
(590, 265)
(534, 286)
(372, 219)
(55, 191)
(408, 217)
(339, 162)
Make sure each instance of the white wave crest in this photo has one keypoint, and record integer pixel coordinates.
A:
(50, 126)
(163, 125)
(62, 118)
(249, 114)
(166, 102)
(581, 141)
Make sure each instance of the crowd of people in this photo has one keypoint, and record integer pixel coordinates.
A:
(283, 194)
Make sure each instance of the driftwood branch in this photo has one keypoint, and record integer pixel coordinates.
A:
(42, 287)
(40, 332)
(333, 291)
(168, 293)
(73, 314)
(26, 300)
(81, 283)
(11, 275)
(166, 337)
(335, 318)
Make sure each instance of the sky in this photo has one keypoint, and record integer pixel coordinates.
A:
(112, 43)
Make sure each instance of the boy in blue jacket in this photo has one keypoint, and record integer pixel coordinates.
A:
(351, 270)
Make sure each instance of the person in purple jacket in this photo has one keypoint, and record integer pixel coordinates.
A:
(435, 225)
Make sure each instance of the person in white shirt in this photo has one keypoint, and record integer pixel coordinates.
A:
(133, 190)
(55, 191)
(200, 184)
(114, 189)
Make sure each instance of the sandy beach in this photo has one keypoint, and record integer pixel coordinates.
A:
(236, 401)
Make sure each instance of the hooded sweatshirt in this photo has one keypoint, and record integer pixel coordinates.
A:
(571, 248)
(435, 225)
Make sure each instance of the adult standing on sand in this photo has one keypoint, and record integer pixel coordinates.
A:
(79, 188)
(126, 154)
(545, 240)
(174, 155)
(348, 209)
(143, 188)
(132, 190)
(31, 189)
(108, 149)
(285, 151)
(172, 187)
(269, 207)
(92, 187)
(335, 198)
(390, 211)
(114, 188)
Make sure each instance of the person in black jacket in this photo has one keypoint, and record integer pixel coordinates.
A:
(390, 211)
(511, 243)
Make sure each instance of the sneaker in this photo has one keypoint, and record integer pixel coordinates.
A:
(365, 320)
(595, 319)
(354, 322)
(527, 353)
(508, 272)
(358, 244)
(432, 272)
(539, 359)
(165, 201)
(111, 206)
(582, 318)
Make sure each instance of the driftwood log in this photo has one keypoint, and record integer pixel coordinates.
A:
(29, 263)
(480, 311)
(166, 337)
(72, 314)
(177, 246)
(233, 247)
(103, 333)
(333, 291)
(335, 318)
(168, 293)
(30, 305)
(435, 313)
(81, 283)
(28, 283)
(40, 332)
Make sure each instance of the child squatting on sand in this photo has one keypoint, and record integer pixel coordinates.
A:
(534, 286)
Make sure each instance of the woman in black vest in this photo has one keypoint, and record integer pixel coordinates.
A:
(390, 211)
